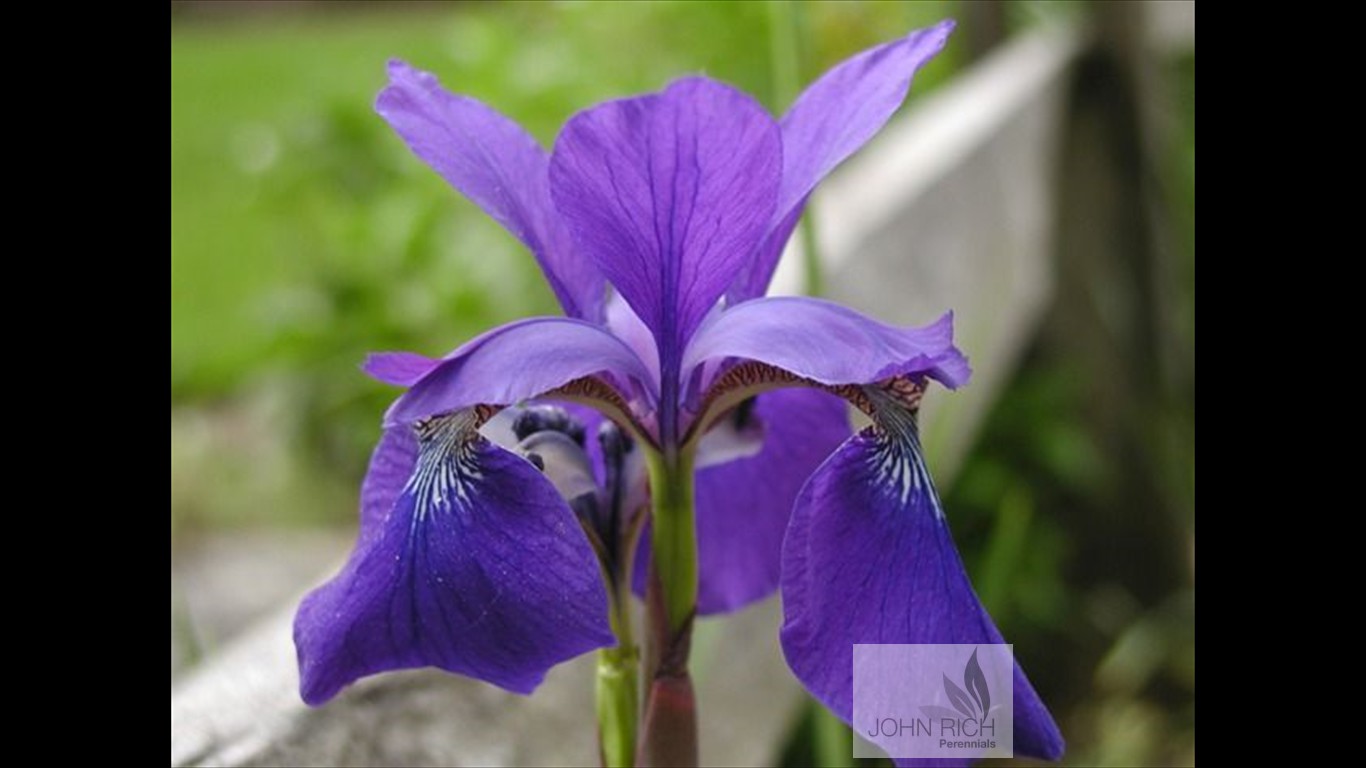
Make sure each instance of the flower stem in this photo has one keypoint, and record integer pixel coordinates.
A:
(618, 702)
(673, 544)
(787, 25)
(833, 741)
(669, 731)
(784, 60)
(618, 681)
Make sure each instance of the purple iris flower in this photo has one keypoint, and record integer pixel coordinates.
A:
(658, 221)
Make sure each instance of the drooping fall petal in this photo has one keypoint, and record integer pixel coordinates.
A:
(868, 558)
(475, 565)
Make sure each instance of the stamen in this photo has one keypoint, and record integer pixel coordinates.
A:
(563, 461)
(615, 445)
(547, 418)
(618, 453)
(743, 414)
(603, 396)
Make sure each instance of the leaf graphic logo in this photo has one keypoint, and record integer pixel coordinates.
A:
(975, 702)
(976, 683)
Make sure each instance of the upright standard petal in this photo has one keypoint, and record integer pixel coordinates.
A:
(499, 166)
(868, 559)
(477, 567)
(829, 121)
(623, 322)
(523, 360)
(828, 344)
(669, 194)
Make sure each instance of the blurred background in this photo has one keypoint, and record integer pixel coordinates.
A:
(304, 234)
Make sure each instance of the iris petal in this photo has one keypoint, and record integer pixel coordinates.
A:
(523, 360)
(810, 341)
(499, 166)
(391, 465)
(401, 369)
(477, 566)
(669, 194)
(868, 558)
(743, 506)
(623, 322)
(832, 119)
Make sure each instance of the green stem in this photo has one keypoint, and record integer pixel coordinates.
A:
(618, 704)
(669, 731)
(783, 59)
(813, 271)
(674, 539)
(618, 681)
(786, 29)
(834, 743)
